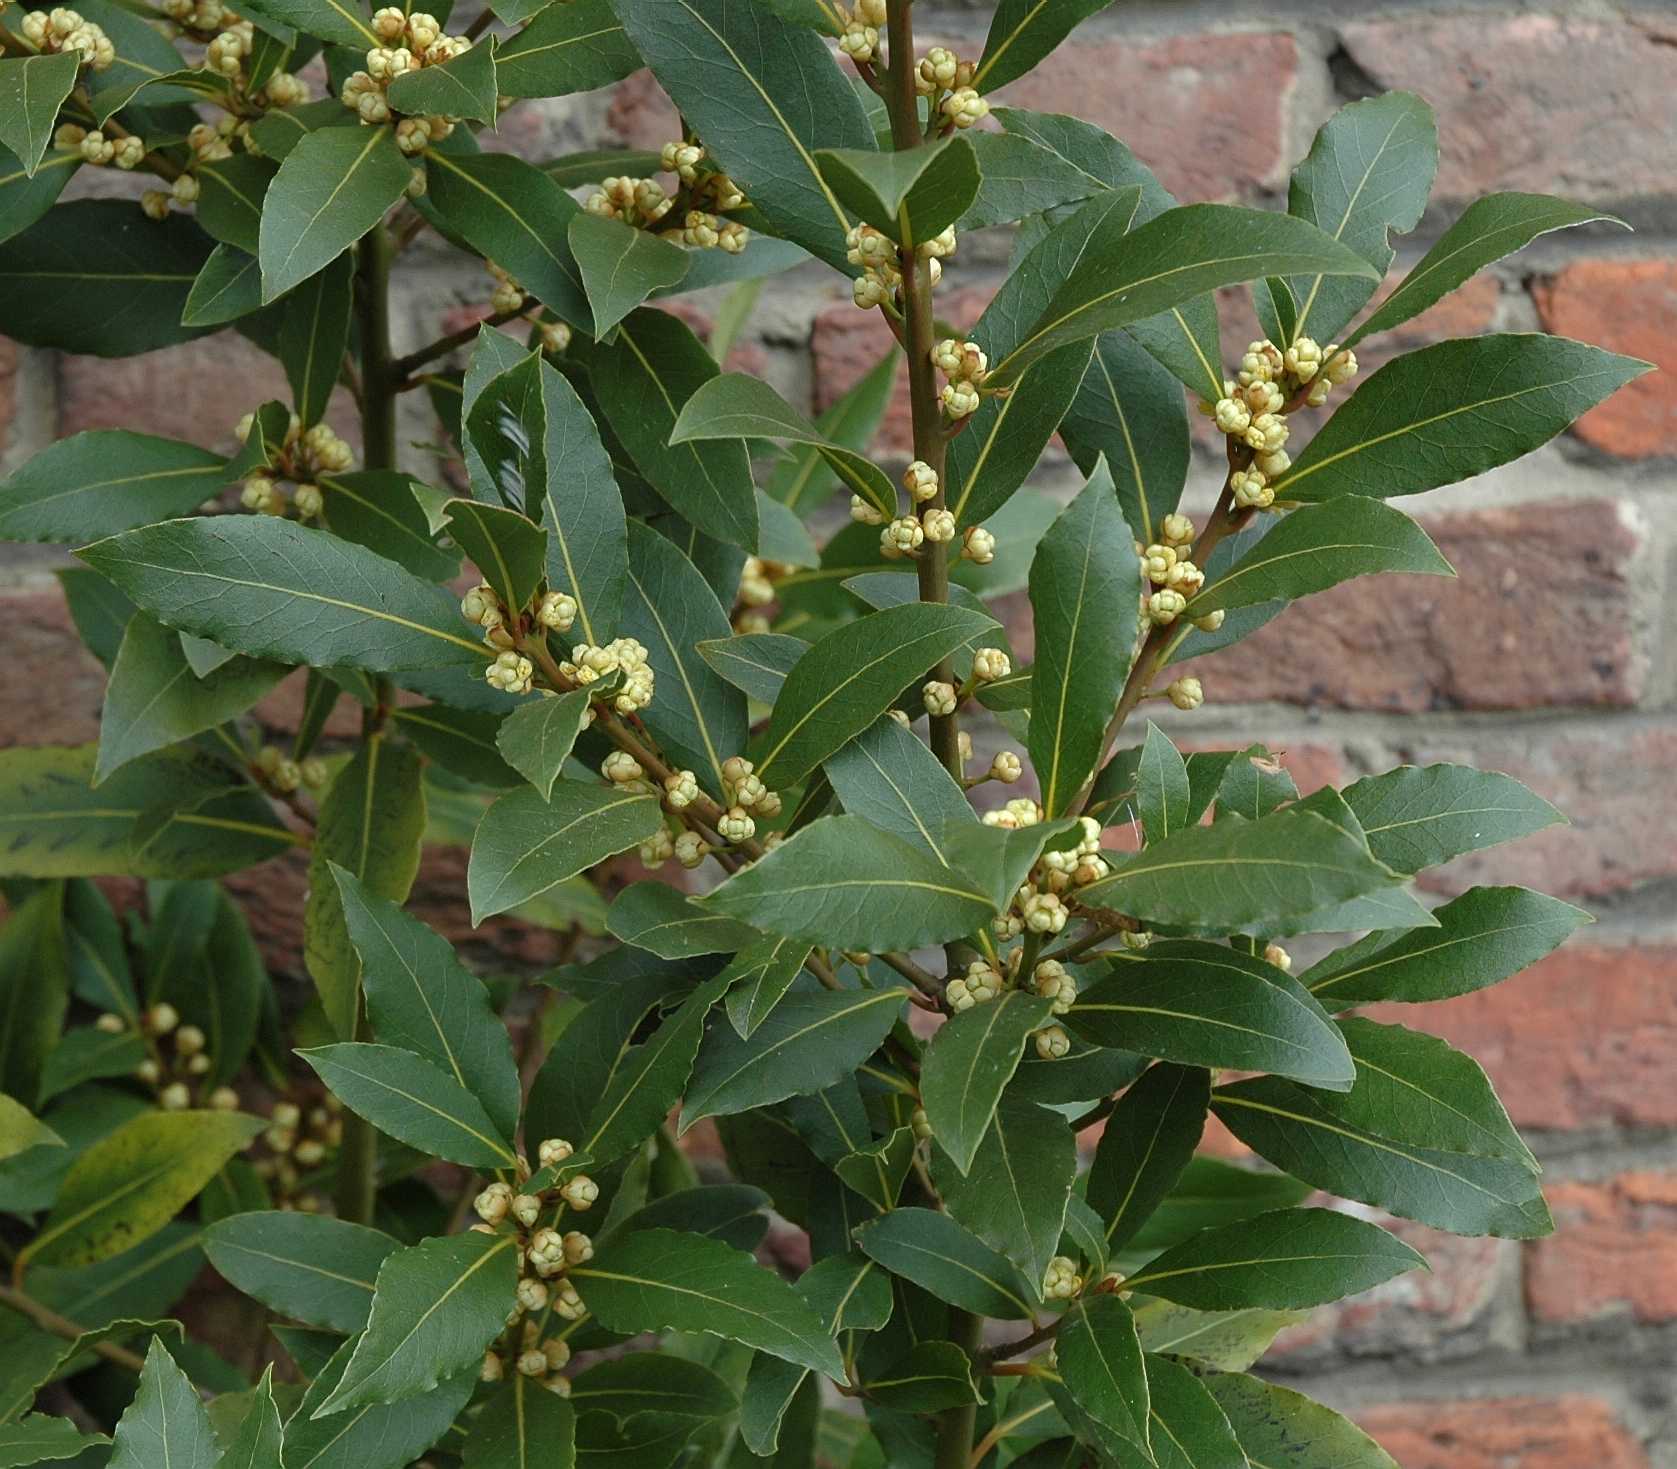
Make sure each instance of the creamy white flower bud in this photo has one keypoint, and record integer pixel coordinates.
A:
(860, 42)
(189, 1040)
(691, 849)
(552, 1151)
(1250, 489)
(389, 23)
(557, 1352)
(1053, 981)
(963, 745)
(940, 246)
(1341, 366)
(938, 697)
(939, 525)
(921, 1124)
(1176, 531)
(936, 71)
(567, 1303)
(978, 546)
(1157, 562)
(162, 1018)
(1303, 359)
(1264, 397)
(620, 767)
(1006, 767)
(921, 482)
(493, 1368)
(736, 825)
(532, 1296)
(533, 1363)
(1232, 415)
(526, 1209)
(1061, 1281)
(547, 1252)
(681, 789)
(960, 399)
(1044, 913)
(1274, 465)
(868, 291)
(110, 1024)
(557, 610)
(991, 663)
(1211, 621)
(964, 107)
(511, 673)
(1267, 433)
(864, 513)
(1186, 578)
(494, 1203)
(1164, 607)
(580, 1192)
(903, 535)
(1186, 693)
(175, 1097)
(579, 1248)
(149, 1072)
(1279, 957)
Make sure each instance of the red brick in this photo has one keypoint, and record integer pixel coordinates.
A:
(1175, 101)
(1567, 1431)
(1615, 1250)
(44, 652)
(640, 115)
(1573, 105)
(1583, 1039)
(196, 391)
(1629, 306)
(1540, 616)
(846, 344)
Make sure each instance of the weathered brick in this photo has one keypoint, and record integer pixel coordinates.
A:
(1614, 1251)
(43, 652)
(1567, 1431)
(1542, 615)
(640, 115)
(1173, 102)
(1582, 1039)
(1629, 306)
(1578, 105)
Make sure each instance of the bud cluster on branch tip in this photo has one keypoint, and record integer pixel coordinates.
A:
(298, 1142)
(511, 673)
(1164, 607)
(96, 149)
(989, 664)
(921, 482)
(1073, 867)
(589, 663)
(61, 30)
(410, 42)
(938, 697)
(1053, 981)
(656, 850)
(1186, 693)
(681, 789)
(1006, 767)
(902, 537)
(741, 787)
(1250, 490)
(940, 70)
(1020, 812)
(1061, 1282)
(981, 984)
(1052, 1043)
(964, 365)
(1165, 566)
(978, 546)
(881, 274)
(556, 611)
(508, 295)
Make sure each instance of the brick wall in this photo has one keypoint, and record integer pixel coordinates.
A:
(1551, 657)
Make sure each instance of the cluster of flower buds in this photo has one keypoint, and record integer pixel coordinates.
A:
(61, 30)
(1020, 812)
(743, 790)
(876, 253)
(540, 1359)
(1061, 1282)
(98, 150)
(989, 664)
(227, 53)
(588, 664)
(176, 1061)
(1165, 566)
(757, 581)
(622, 769)
(510, 672)
(199, 17)
(212, 141)
(280, 773)
(941, 74)
(297, 1142)
(1053, 981)
(1073, 867)
(409, 43)
(978, 986)
(508, 295)
(860, 37)
(1253, 406)
(303, 455)
(638, 202)
(964, 367)
(156, 203)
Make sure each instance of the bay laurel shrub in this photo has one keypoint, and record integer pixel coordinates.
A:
(897, 1013)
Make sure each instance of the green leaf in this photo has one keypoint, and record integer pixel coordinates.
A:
(643, 379)
(560, 52)
(1290, 1127)
(154, 698)
(309, 1267)
(32, 89)
(1147, 1142)
(877, 1172)
(38, 1439)
(1369, 172)
(436, 1308)
(969, 1063)
(1488, 229)
(372, 1436)
(34, 990)
(909, 195)
(1318, 547)
(1222, 877)
(166, 1423)
(340, 22)
(464, 86)
(412, 1099)
(372, 820)
(278, 130)
(230, 204)
(509, 551)
(1126, 278)
(527, 844)
(1018, 178)
(1276, 1425)
(1452, 411)
(331, 189)
(755, 663)
(765, 96)
(420, 997)
(1202, 1004)
(1422, 816)
(1482, 937)
(379, 509)
(621, 266)
(654, 916)
(1100, 1359)
(739, 406)
(930, 1376)
(1162, 791)
(1227, 1340)
(257, 1443)
(852, 676)
(934, 1252)
(514, 214)
(850, 423)
(522, 1426)
(259, 585)
(889, 778)
(1189, 1430)
(844, 883)
(133, 1181)
(699, 719)
(1015, 1192)
(759, 975)
(313, 334)
(25, 196)
(1023, 32)
(1278, 1261)
(1085, 581)
(97, 276)
(809, 1041)
(536, 738)
(659, 1280)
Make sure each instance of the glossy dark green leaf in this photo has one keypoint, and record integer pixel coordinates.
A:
(1482, 937)
(621, 266)
(888, 777)
(1452, 411)
(810, 1040)
(275, 589)
(1369, 172)
(759, 975)
(654, 916)
(309, 1267)
(230, 201)
(536, 738)
(1230, 1341)
(313, 334)
(765, 96)
(1018, 178)
(1202, 1004)
(1084, 582)
(229, 286)
(526, 844)
(166, 1423)
(657, 1279)
(1023, 32)
(909, 195)
(464, 86)
(331, 189)
(521, 1426)
(798, 481)
(34, 990)
(85, 1055)
(509, 551)
(373, 1436)
(930, 1376)
(97, 276)
(279, 129)
(1488, 229)
(1278, 1261)
(1277, 1425)
(32, 88)
(1421, 816)
(969, 1063)
(1451, 1191)
(845, 883)
(413, 1100)
(378, 509)
(938, 1255)
(559, 52)
(341, 22)
(1100, 1358)
(1163, 796)
(25, 196)
(1147, 1142)
(850, 677)
(755, 663)
(39, 1439)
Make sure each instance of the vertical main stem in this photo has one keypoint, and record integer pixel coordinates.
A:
(358, 1151)
(956, 1425)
